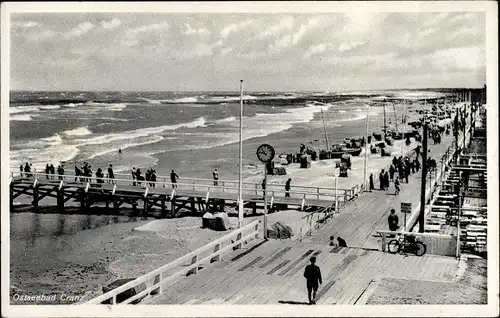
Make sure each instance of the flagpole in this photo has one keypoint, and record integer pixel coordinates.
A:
(366, 146)
(240, 181)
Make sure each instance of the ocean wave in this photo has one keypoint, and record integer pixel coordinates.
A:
(203, 99)
(80, 131)
(23, 117)
(23, 109)
(342, 111)
(154, 139)
(50, 107)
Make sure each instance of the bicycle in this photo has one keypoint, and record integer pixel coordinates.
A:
(405, 244)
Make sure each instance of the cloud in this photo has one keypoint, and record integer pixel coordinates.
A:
(284, 24)
(349, 46)
(234, 27)
(317, 49)
(304, 28)
(25, 25)
(133, 36)
(40, 35)
(426, 32)
(80, 29)
(281, 43)
(188, 30)
(108, 25)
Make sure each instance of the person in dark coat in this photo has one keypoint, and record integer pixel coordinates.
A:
(342, 242)
(263, 187)
(287, 188)
(153, 178)
(47, 171)
(386, 180)
(52, 171)
(111, 174)
(372, 185)
(173, 179)
(381, 179)
(393, 221)
(392, 170)
(312, 274)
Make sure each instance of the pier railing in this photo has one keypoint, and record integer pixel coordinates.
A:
(153, 283)
(209, 186)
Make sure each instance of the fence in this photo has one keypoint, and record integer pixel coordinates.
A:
(155, 280)
(437, 244)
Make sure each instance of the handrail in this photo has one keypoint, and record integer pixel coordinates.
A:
(42, 176)
(254, 226)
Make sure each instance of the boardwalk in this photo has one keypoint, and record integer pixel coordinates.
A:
(359, 220)
(272, 274)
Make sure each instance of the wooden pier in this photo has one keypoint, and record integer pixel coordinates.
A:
(162, 199)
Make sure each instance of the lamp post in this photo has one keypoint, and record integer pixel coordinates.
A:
(366, 150)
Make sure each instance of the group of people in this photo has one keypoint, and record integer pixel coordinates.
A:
(402, 166)
(149, 177)
(25, 170)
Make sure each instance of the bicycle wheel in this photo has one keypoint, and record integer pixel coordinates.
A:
(420, 248)
(394, 246)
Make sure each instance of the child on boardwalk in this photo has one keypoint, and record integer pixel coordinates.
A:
(393, 221)
(312, 274)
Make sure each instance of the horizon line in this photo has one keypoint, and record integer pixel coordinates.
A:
(258, 91)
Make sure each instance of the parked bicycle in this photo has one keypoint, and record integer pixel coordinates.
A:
(407, 244)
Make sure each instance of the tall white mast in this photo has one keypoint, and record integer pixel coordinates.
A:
(240, 181)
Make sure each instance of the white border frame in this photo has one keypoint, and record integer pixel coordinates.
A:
(492, 309)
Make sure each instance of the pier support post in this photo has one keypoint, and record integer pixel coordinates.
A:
(35, 197)
(146, 208)
(163, 210)
(421, 216)
(60, 201)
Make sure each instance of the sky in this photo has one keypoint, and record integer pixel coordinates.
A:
(269, 51)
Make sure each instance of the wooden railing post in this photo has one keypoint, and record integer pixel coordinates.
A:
(238, 239)
(194, 260)
(216, 258)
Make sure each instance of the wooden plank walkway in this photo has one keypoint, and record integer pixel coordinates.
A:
(358, 221)
(272, 274)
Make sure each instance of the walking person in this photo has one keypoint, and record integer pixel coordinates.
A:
(396, 186)
(386, 181)
(173, 179)
(312, 274)
(215, 173)
(393, 221)
(47, 171)
(111, 174)
(134, 176)
(287, 188)
(381, 179)
(52, 171)
(392, 170)
(153, 178)
(372, 185)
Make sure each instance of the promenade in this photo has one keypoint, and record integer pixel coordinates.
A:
(272, 274)
(359, 220)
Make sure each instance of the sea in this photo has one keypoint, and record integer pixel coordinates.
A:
(190, 132)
